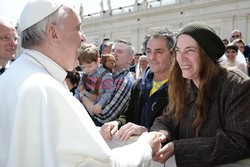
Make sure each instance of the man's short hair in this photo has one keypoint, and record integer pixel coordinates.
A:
(131, 50)
(161, 32)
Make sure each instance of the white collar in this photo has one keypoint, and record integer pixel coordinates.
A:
(55, 70)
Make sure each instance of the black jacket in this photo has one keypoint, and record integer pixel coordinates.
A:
(143, 109)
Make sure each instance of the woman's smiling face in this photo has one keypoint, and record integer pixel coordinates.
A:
(188, 57)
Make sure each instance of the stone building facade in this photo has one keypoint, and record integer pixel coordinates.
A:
(133, 22)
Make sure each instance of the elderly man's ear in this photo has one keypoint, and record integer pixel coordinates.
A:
(52, 33)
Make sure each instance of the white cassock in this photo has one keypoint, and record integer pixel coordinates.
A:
(43, 125)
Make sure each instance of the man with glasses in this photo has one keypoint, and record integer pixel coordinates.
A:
(236, 34)
(8, 44)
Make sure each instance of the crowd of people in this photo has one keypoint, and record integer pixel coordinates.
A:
(237, 53)
(185, 95)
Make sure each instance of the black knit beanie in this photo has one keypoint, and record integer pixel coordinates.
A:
(206, 37)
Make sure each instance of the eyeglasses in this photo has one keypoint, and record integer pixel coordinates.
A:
(235, 36)
(9, 38)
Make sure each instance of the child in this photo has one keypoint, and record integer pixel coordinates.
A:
(97, 82)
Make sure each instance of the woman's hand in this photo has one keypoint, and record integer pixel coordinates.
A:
(164, 153)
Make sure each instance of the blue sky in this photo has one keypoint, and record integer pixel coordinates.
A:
(11, 9)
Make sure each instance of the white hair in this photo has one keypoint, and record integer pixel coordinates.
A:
(36, 34)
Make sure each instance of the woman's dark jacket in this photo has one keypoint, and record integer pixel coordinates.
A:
(224, 136)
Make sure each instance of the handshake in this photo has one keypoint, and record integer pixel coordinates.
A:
(155, 140)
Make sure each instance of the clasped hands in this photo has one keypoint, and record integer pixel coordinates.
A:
(155, 139)
(159, 154)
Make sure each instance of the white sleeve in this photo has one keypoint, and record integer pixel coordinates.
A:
(133, 155)
(55, 130)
